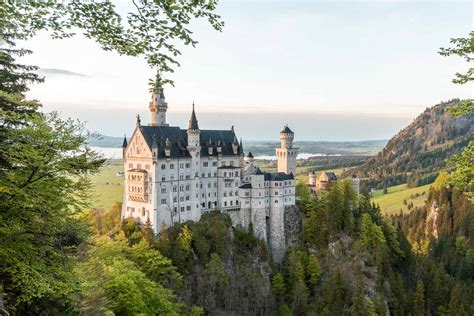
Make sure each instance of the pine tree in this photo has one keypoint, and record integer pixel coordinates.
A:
(148, 232)
(419, 299)
(456, 306)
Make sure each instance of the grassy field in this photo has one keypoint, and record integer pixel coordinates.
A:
(392, 202)
(108, 187)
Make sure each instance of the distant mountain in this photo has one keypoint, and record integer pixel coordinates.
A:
(105, 141)
(419, 151)
(267, 148)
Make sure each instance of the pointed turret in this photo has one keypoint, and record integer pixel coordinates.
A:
(125, 143)
(193, 123)
(194, 134)
(124, 146)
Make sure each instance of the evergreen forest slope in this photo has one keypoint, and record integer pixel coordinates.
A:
(418, 152)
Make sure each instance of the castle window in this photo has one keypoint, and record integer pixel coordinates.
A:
(181, 177)
(236, 202)
(175, 188)
(181, 199)
(231, 203)
(225, 194)
(171, 166)
(187, 198)
(139, 166)
(143, 212)
(276, 192)
(172, 177)
(225, 203)
(181, 165)
(182, 208)
(130, 165)
(163, 190)
(163, 201)
(203, 175)
(205, 163)
(181, 187)
(163, 179)
(188, 208)
(188, 165)
(236, 173)
(225, 174)
(188, 187)
(214, 163)
(209, 185)
(276, 201)
(236, 193)
(175, 199)
(147, 167)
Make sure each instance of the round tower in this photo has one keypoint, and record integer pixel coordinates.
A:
(286, 154)
(312, 179)
(286, 137)
(158, 107)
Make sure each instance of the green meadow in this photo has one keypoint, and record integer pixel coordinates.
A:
(393, 202)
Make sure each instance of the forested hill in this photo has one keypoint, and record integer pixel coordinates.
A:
(419, 151)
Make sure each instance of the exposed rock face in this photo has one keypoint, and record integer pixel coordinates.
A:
(293, 225)
(431, 220)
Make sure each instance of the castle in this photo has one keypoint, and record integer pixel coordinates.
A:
(175, 175)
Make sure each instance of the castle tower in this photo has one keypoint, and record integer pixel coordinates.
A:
(158, 107)
(286, 154)
(194, 148)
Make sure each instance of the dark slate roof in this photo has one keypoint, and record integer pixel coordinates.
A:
(245, 186)
(214, 137)
(193, 123)
(331, 175)
(124, 144)
(258, 171)
(287, 130)
(278, 176)
(177, 137)
(250, 155)
(179, 140)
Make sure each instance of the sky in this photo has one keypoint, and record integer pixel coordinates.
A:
(331, 70)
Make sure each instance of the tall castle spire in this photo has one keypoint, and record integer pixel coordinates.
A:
(158, 106)
(193, 122)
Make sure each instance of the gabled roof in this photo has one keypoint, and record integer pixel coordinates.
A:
(331, 175)
(179, 140)
(278, 176)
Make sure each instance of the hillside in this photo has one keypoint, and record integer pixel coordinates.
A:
(419, 151)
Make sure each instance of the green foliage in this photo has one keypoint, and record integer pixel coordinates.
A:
(278, 284)
(464, 48)
(43, 185)
(112, 282)
(462, 178)
(419, 299)
(153, 29)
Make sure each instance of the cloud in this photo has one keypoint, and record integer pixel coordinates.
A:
(59, 72)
